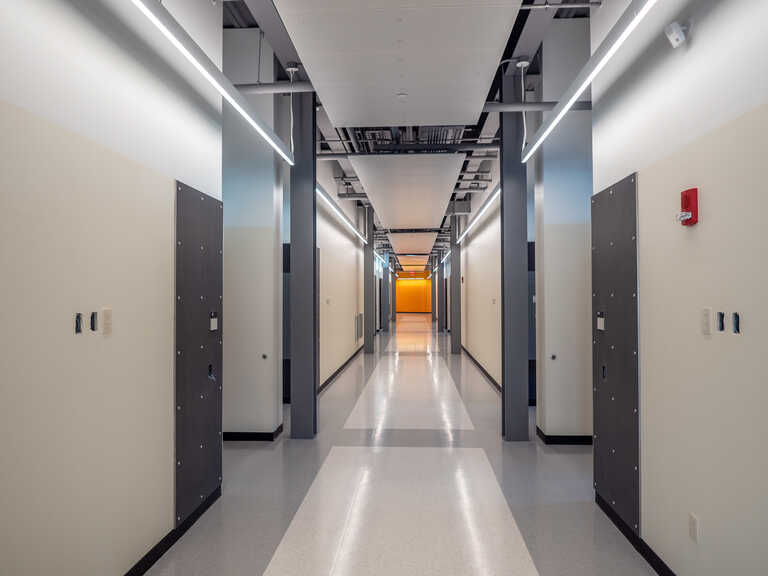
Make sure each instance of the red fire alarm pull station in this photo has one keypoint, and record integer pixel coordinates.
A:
(689, 207)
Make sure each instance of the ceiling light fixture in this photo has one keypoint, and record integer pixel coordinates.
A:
(630, 20)
(340, 214)
(445, 258)
(156, 13)
(483, 210)
(379, 257)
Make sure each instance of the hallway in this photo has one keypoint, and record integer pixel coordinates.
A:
(408, 475)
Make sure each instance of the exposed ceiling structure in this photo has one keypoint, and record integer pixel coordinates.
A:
(378, 62)
(407, 79)
(409, 191)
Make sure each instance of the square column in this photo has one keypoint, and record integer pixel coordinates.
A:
(455, 287)
(369, 305)
(514, 271)
(304, 330)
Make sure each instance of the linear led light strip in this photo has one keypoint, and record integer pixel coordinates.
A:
(546, 130)
(162, 19)
(483, 210)
(340, 214)
(379, 257)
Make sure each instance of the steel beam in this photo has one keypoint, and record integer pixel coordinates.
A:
(305, 362)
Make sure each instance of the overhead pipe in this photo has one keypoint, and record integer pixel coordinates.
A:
(558, 5)
(275, 88)
(531, 106)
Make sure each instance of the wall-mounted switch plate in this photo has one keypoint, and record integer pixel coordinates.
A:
(106, 321)
(706, 321)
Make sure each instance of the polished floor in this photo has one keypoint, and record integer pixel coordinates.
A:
(408, 475)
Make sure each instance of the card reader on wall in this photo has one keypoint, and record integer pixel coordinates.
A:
(214, 322)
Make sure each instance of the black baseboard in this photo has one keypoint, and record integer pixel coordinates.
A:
(531, 382)
(564, 440)
(253, 436)
(286, 380)
(332, 377)
(645, 551)
(483, 370)
(143, 565)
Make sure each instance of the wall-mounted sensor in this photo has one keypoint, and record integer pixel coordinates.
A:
(78, 323)
(94, 321)
(675, 34)
(736, 319)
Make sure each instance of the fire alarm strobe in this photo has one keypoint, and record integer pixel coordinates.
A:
(689, 207)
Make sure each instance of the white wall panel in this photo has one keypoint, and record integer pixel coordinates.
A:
(252, 400)
(564, 384)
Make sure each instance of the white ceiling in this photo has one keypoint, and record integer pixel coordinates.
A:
(413, 262)
(360, 54)
(409, 191)
(412, 243)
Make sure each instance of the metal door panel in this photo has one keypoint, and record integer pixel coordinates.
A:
(615, 344)
(199, 247)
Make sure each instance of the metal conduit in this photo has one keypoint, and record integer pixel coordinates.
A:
(531, 106)
(275, 88)
(558, 5)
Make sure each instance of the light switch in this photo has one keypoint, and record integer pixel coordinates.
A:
(106, 321)
(214, 324)
(601, 323)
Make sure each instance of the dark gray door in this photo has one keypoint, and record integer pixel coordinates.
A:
(199, 226)
(615, 350)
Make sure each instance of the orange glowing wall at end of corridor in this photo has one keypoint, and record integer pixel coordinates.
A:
(414, 295)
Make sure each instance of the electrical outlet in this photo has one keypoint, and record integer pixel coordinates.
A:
(694, 528)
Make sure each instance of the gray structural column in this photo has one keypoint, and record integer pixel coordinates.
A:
(394, 297)
(442, 324)
(304, 290)
(455, 287)
(385, 295)
(514, 271)
(369, 311)
(434, 290)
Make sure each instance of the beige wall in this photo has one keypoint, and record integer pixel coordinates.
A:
(86, 221)
(341, 273)
(86, 421)
(703, 398)
(481, 291)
